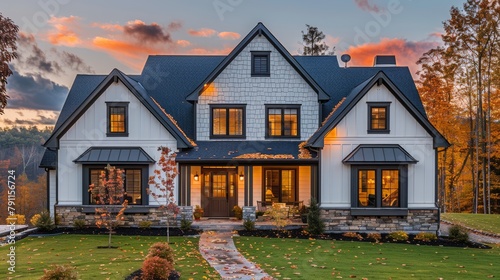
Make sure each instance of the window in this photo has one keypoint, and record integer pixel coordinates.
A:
(279, 185)
(261, 64)
(378, 117)
(379, 186)
(283, 121)
(135, 183)
(117, 118)
(228, 121)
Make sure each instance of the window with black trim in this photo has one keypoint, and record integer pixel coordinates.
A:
(227, 121)
(283, 121)
(378, 117)
(379, 186)
(117, 118)
(135, 183)
(280, 185)
(261, 64)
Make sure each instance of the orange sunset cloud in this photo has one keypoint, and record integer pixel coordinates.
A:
(63, 33)
(204, 32)
(229, 35)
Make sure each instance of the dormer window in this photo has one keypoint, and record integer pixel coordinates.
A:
(117, 119)
(261, 64)
(378, 117)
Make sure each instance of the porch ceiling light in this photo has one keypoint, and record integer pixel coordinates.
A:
(242, 177)
(196, 177)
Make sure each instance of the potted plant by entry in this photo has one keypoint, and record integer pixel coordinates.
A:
(303, 214)
(198, 212)
(238, 212)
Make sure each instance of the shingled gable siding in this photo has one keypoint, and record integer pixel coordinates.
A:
(352, 131)
(235, 85)
(89, 130)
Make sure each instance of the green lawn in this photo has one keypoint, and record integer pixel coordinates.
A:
(33, 255)
(319, 259)
(489, 223)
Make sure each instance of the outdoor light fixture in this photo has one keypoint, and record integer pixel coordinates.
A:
(196, 177)
(242, 177)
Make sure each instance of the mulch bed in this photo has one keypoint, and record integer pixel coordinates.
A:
(302, 234)
(122, 231)
(136, 275)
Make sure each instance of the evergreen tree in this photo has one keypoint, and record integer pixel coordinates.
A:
(313, 42)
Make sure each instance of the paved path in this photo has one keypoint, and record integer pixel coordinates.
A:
(472, 236)
(217, 247)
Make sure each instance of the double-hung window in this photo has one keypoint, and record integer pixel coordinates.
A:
(378, 117)
(282, 121)
(227, 121)
(117, 118)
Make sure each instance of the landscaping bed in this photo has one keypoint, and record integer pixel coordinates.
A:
(126, 231)
(363, 237)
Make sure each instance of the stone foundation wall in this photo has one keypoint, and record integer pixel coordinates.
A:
(416, 221)
(67, 214)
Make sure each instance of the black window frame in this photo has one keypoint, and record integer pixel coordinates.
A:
(109, 106)
(228, 107)
(378, 209)
(280, 195)
(86, 168)
(282, 107)
(261, 54)
(387, 106)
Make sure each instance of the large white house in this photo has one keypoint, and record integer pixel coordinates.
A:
(257, 125)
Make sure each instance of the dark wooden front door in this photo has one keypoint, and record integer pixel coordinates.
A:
(219, 193)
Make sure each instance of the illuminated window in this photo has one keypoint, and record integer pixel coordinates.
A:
(378, 117)
(380, 186)
(280, 185)
(228, 121)
(117, 119)
(283, 121)
(134, 183)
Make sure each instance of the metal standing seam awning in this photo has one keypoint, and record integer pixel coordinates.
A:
(121, 155)
(379, 154)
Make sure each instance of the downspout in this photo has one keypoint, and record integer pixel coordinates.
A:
(47, 170)
(436, 187)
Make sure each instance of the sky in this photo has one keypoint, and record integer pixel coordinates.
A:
(59, 39)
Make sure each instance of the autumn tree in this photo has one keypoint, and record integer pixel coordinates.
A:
(313, 43)
(8, 47)
(162, 185)
(108, 196)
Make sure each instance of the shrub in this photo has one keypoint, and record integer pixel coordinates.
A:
(458, 233)
(145, 224)
(45, 222)
(186, 224)
(34, 219)
(238, 212)
(375, 236)
(278, 215)
(425, 236)
(259, 213)
(60, 272)
(398, 236)
(161, 250)
(351, 234)
(156, 268)
(249, 224)
(314, 223)
(79, 224)
(17, 219)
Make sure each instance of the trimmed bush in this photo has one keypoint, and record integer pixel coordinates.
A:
(238, 212)
(60, 272)
(375, 236)
(79, 224)
(45, 222)
(34, 219)
(145, 224)
(425, 236)
(458, 233)
(186, 224)
(17, 219)
(156, 268)
(314, 223)
(249, 224)
(398, 236)
(161, 250)
(351, 234)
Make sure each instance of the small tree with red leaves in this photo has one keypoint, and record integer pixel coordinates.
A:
(108, 195)
(162, 184)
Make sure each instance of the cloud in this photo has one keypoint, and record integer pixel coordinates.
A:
(223, 51)
(229, 35)
(152, 33)
(40, 120)
(107, 26)
(365, 5)
(407, 52)
(63, 32)
(32, 91)
(174, 26)
(73, 61)
(436, 35)
(204, 32)
(183, 43)
(32, 56)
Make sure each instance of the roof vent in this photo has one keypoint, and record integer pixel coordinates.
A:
(384, 60)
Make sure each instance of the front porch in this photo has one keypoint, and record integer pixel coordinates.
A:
(230, 224)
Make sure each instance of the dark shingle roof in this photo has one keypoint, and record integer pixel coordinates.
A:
(95, 155)
(369, 154)
(49, 159)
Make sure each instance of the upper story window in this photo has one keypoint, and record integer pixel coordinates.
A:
(228, 121)
(117, 118)
(283, 121)
(378, 117)
(261, 64)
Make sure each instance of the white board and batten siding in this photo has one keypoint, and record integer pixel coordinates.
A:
(352, 131)
(90, 129)
(235, 85)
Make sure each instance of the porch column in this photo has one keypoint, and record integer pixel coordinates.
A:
(315, 183)
(185, 185)
(248, 171)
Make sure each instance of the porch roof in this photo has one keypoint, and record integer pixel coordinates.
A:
(129, 155)
(379, 154)
(247, 151)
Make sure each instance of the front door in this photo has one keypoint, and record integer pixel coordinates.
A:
(219, 193)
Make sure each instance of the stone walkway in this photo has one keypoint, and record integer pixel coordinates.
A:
(475, 237)
(217, 247)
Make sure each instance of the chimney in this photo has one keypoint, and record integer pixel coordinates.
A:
(384, 61)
